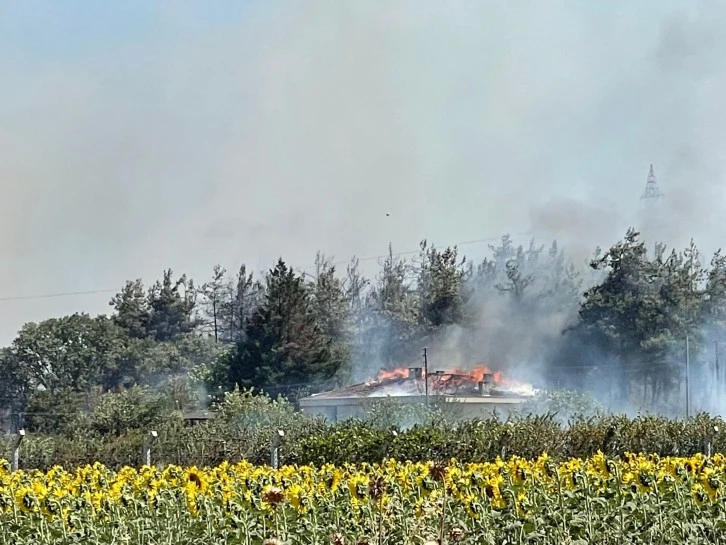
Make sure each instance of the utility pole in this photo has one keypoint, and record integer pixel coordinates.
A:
(716, 388)
(146, 448)
(426, 376)
(717, 380)
(214, 313)
(275, 449)
(688, 379)
(15, 462)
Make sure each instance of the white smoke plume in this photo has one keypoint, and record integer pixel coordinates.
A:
(182, 136)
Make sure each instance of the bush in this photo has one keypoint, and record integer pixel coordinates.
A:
(565, 404)
(132, 409)
(246, 424)
(54, 412)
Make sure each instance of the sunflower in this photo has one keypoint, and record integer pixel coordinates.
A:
(197, 478)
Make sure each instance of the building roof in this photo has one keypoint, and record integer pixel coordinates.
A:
(447, 385)
(199, 415)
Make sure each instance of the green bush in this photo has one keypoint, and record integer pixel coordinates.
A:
(565, 404)
(528, 436)
(245, 424)
(117, 413)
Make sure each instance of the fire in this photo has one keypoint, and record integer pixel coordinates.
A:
(475, 375)
(384, 375)
(457, 379)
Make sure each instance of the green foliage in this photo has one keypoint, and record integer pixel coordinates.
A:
(151, 362)
(528, 436)
(645, 307)
(113, 431)
(288, 333)
(70, 352)
(132, 310)
(563, 403)
(164, 312)
(246, 412)
(284, 346)
(389, 413)
(442, 282)
(136, 408)
(54, 411)
(171, 304)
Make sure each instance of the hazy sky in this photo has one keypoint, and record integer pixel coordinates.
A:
(140, 135)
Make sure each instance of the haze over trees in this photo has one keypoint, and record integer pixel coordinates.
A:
(622, 325)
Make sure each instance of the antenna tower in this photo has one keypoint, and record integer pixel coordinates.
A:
(652, 192)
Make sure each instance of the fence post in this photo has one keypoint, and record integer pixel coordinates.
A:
(709, 441)
(275, 449)
(146, 453)
(15, 462)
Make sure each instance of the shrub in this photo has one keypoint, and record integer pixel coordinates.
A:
(246, 424)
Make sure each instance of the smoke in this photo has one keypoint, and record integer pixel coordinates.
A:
(136, 138)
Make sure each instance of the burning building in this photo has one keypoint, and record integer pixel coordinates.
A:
(479, 391)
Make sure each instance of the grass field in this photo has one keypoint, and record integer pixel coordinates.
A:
(637, 499)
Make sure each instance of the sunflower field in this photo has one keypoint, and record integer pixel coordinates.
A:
(634, 499)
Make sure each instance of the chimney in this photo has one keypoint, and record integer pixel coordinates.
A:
(415, 373)
(485, 385)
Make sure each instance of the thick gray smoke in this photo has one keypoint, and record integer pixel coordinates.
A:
(136, 138)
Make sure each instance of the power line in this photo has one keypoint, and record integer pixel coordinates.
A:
(411, 252)
(369, 258)
(52, 295)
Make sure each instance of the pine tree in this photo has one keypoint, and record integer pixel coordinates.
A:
(172, 305)
(283, 347)
(442, 286)
(132, 310)
(212, 293)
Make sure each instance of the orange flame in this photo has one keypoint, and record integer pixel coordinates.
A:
(393, 374)
(475, 375)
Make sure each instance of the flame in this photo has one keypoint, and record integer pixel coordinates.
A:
(384, 375)
(474, 375)
(457, 380)
(477, 375)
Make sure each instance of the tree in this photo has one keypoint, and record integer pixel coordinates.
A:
(642, 311)
(442, 285)
(69, 352)
(332, 309)
(283, 346)
(520, 270)
(392, 317)
(355, 286)
(54, 411)
(135, 408)
(242, 296)
(213, 299)
(133, 313)
(713, 311)
(329, 301)
(152, 363)
(562, 282)
(533, 280)
(172, 304)
(15, 388)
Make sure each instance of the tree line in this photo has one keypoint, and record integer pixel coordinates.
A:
(623, 318)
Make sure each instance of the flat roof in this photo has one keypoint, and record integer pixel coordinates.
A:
(198, 415)
(329, 401)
